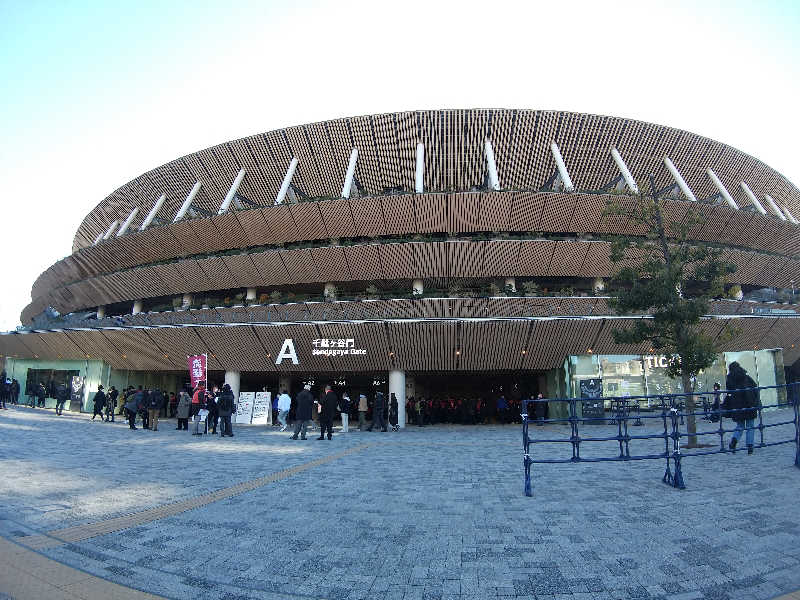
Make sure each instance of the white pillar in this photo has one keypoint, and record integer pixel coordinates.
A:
(251, 294)
(351, 171)
(491, 165)
(101, 312)
(397, 386)
(153, 212)
(419, 180)
(137, 307)
(417, 288)
(232, 378)
(510, 283)
(186, 301)
(287, 181)
(128, 222)
(185, 206)
(329, 292)
(223, 208)
(598, 284)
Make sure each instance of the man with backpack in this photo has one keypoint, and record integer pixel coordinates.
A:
(155, 404)
(99, 401)
(742, 404)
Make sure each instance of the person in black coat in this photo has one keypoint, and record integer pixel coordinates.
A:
(111, 403)
(213, 410)
(303, 413)
(741, 404)
(41, 394)
(393, 408)
(330, 404)
(62, 393)
(379, 410)
(99, 401)
(225, 410)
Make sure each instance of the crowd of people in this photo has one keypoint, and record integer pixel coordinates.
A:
(9, 391)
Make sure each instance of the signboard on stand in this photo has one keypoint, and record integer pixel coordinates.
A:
(592, 399)
(244, 408)
(262, 411)
(76, 393)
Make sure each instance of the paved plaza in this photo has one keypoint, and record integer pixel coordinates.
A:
(426, 513)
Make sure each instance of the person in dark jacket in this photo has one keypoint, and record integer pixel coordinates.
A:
(155, 404)
(99, 402)
(41, 394)
(303, 413)
(330, 403)
(14, 391)
(225, 409)
(62, 393)
(132, 406)
(111, 403)
(393, 408)
(213, 410)
(378, 412)
(742, 404)
(141, 399)
(540, 409)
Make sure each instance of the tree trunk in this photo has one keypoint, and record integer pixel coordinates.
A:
(691, 423)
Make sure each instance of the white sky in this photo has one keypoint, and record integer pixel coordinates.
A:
(92, 94)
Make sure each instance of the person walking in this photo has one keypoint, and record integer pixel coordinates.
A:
(540, 407)
(742, 403)
(182, 412)
(15, 392)
(41, 394)
(99, 402)
(363, 407)
(378, 412)
(393, 408)
(225, 409)
(284, 404)
(303, 413)
(111, 403)
(344, 408)
(61, 397)
(327, 409)
(154, 408)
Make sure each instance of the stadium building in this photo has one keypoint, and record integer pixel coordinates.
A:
(431, 252)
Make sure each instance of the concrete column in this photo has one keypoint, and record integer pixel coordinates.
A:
(251, 294)
(598, 284)
(137, 307)
(232, 378)
(417, 288)
(329, 291)
(397, 386)
(101, 312)
(510, 283)
(186, 301)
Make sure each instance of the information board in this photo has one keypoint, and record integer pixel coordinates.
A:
(244, 407)
(262, 411)
(592, 400)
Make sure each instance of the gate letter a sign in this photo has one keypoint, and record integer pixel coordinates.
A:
(287, 351)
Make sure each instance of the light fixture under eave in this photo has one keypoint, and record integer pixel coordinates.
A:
(524, 351)
(124, 356)
(458, 352)
(589, 351)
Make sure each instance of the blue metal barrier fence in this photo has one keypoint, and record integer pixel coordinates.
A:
(669, 412)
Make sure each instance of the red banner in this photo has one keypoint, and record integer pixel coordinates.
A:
(197, 368)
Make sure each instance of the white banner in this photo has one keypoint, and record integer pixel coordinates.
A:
(262, 409)
(244, 407)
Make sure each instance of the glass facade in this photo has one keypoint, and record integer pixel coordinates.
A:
(640, 375)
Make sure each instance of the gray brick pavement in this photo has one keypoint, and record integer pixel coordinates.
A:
(426, 513)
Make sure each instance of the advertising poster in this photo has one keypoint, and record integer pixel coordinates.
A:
(244, 408)
(262, 409)
(76, 393)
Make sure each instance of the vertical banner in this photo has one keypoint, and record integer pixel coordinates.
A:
(244, 407)
(198, 364)
(262, 409)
